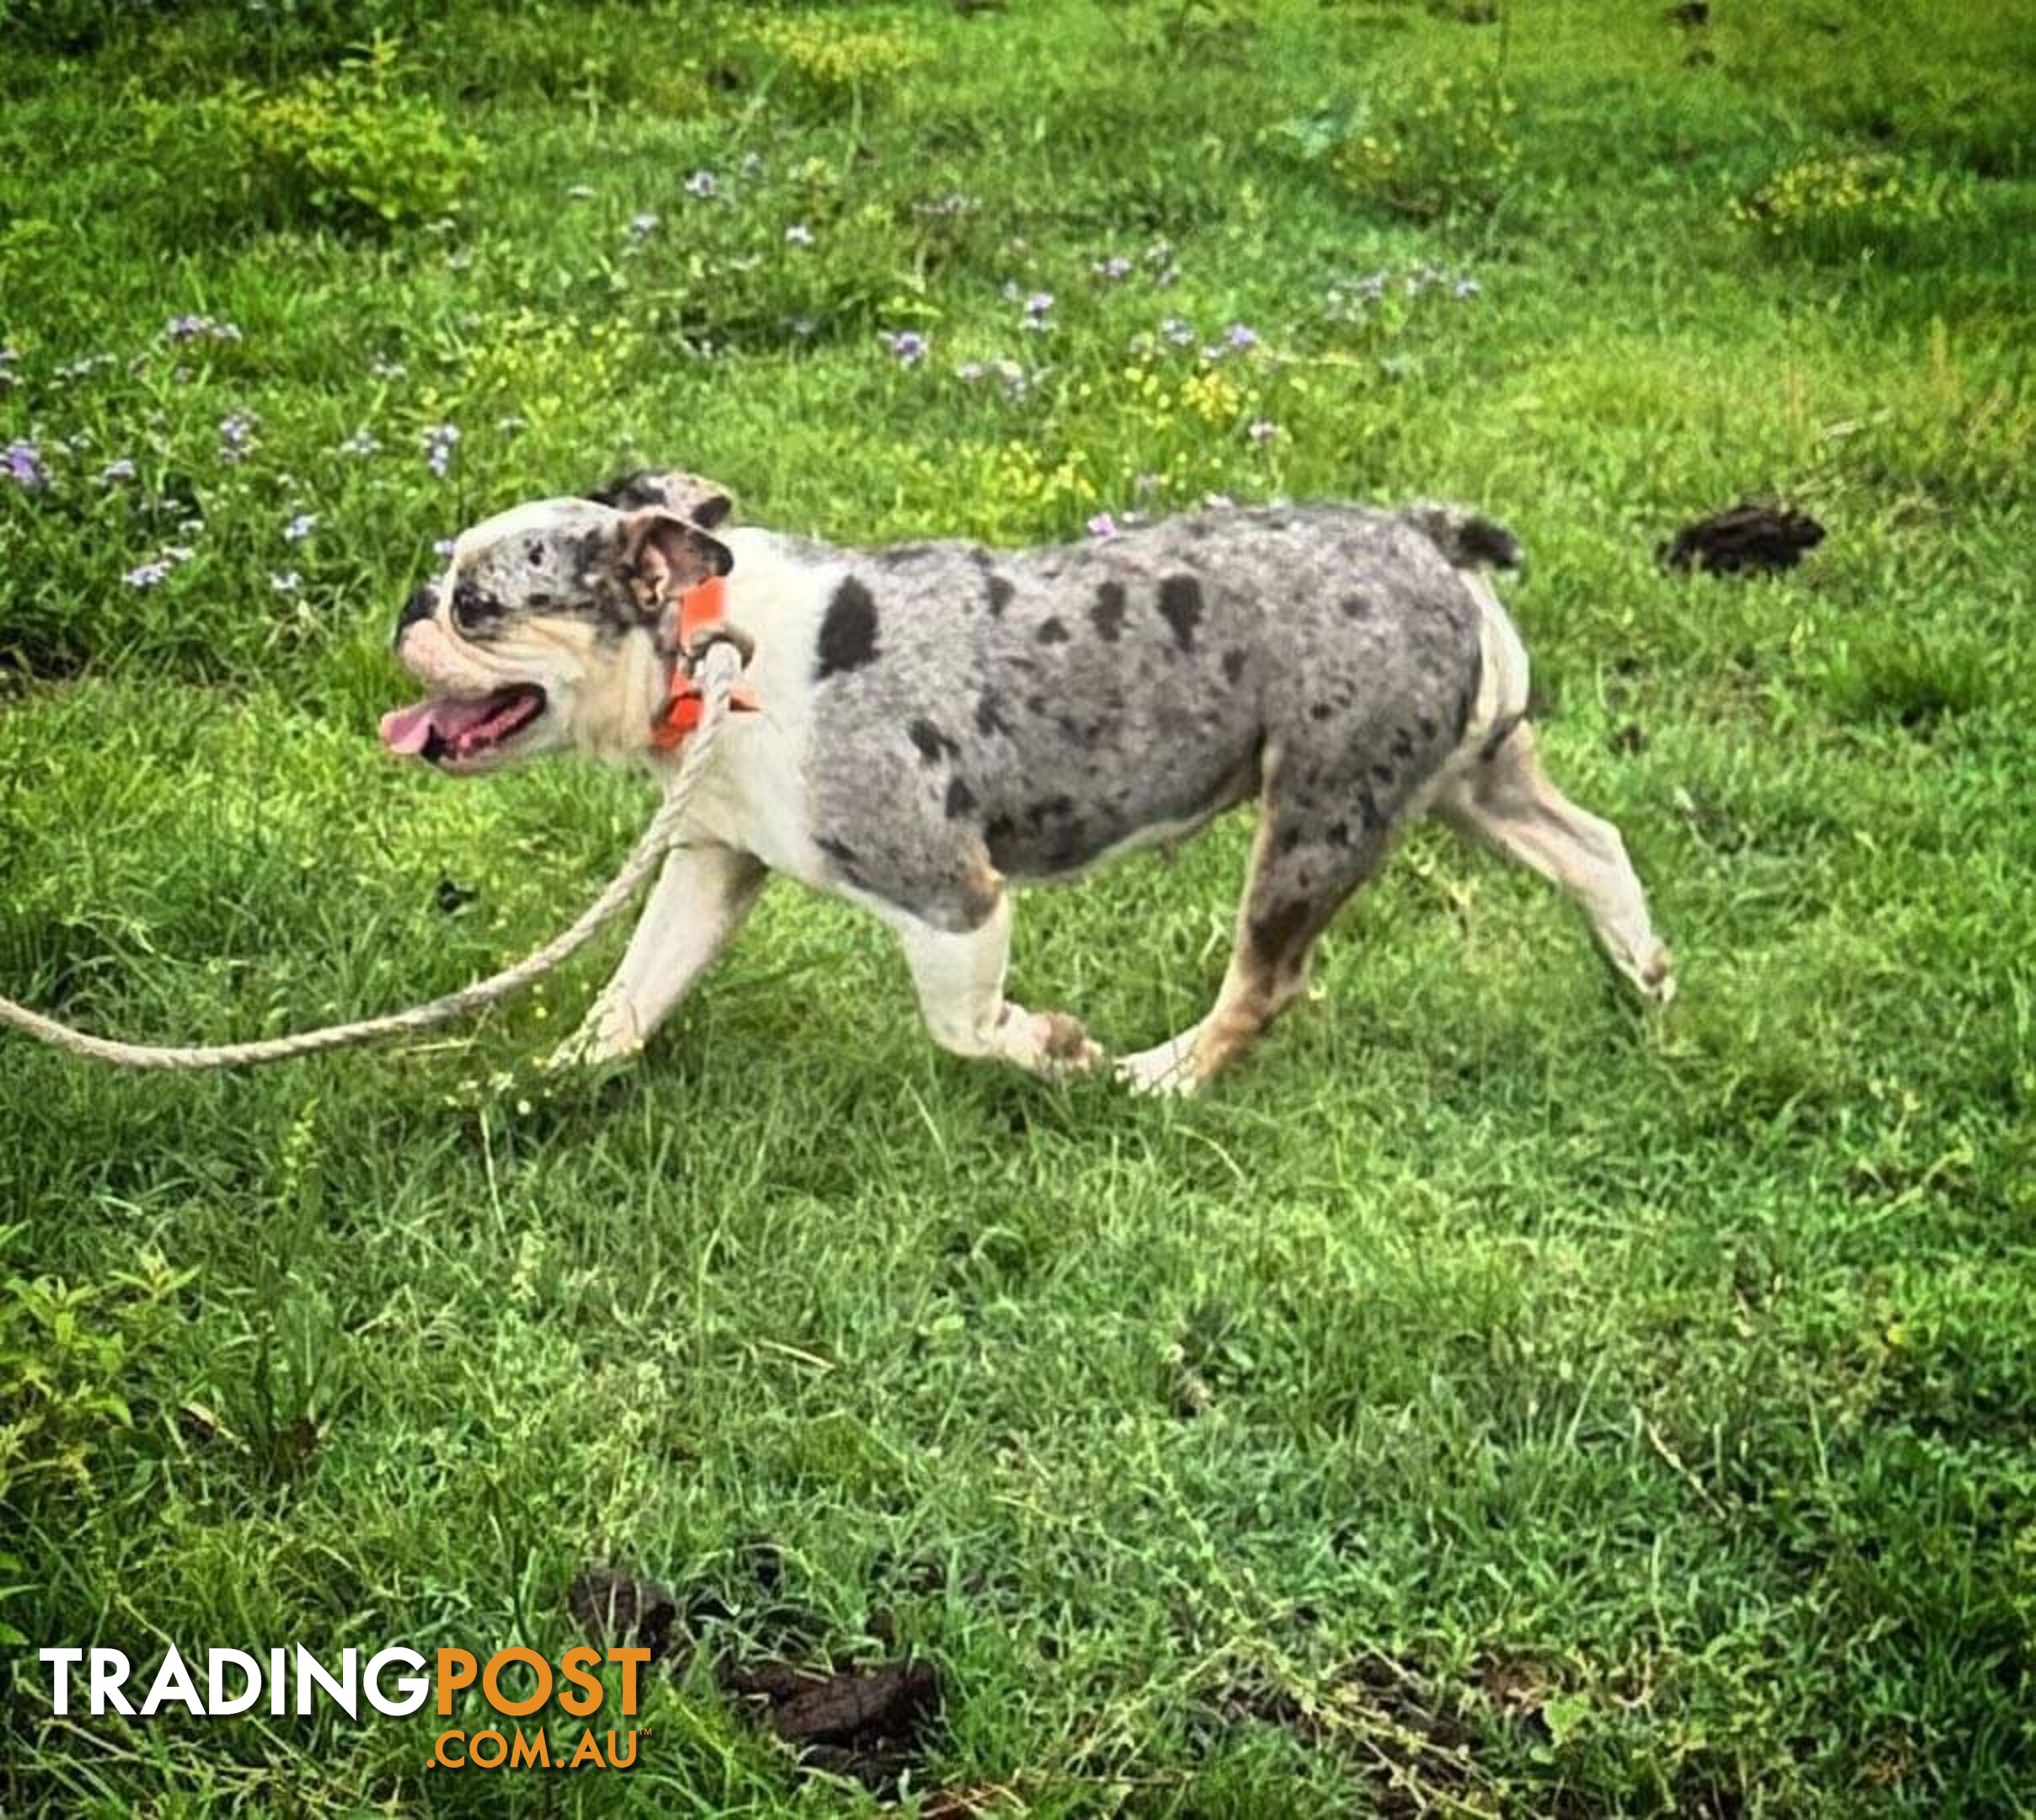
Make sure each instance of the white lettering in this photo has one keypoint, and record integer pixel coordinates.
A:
(217, 1662)
(414, 1687)
(109, 1671)
(172, 1682)
(59, 1683)
(344, 1691)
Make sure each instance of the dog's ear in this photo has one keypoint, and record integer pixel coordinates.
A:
(690, 495)
(661, 555)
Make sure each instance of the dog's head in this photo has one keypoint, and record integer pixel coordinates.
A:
(553, 626)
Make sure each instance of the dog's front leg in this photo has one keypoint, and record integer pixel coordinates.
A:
(960, 980)
(700, 897)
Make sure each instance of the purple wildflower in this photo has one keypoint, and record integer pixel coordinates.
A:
(24, 466)
(288, 582)
(702, 184)
(511, 424)
(1038, 311)
(643, 226)
(181, 329)
(970, 371)
(580, 192)
(1114, 267)
(442, 546)
(798, 234)
(908, 346)
(1176, 331)
(1465, 289)
(362, 442)
(1240, 338)
(439, 443)
(148, 575)
(236, 435)
(387, 366)
(1262, 430)
(300, 528)
(122, 469)
(1102, 525)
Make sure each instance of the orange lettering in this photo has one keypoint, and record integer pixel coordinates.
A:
(491, 1682)
(575, 1667)
(631, 1660)
(456, 1669)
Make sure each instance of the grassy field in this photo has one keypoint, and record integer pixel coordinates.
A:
(1492, 1401)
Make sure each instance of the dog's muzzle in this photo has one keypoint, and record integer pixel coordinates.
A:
(421, 605)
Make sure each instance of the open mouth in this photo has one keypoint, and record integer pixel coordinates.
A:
(452, 730)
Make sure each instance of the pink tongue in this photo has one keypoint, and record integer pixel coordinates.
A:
(407, 729)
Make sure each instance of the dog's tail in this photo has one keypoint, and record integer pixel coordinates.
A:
(1469, 539)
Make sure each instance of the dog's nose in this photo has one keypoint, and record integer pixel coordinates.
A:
(421, 605)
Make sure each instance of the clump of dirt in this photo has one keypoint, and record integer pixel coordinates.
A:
(869, 1720)
(1747, 537)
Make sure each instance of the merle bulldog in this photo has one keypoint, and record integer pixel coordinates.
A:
(937, 722)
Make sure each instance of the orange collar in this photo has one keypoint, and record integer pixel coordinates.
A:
(702, 618)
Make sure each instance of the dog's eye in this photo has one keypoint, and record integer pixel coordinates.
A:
(473, 609)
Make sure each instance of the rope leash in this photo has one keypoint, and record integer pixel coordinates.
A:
(719, 667)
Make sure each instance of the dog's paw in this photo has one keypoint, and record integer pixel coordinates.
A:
(1653, 976)
(609, 1035)
(1166, 1068)
(1063, 1045)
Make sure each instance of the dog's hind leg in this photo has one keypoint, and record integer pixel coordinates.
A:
(1303, 865)
(1503, 799)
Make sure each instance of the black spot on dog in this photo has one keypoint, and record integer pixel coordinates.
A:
(1052, 632)
(1461, 718)
(999, 589)
(1500, 733)
(848, 631)
(473, 609)
(1107, 614)
(1277, 937)
(1338, 834)
(998, 833)
(535, 553)
(1383, 774)
(1319, 711)
(1355, 607)
(1289, 839)
(1427, 724)
(990, 714)
(1403, 744)
(838, 851)
(960, 800)
(933, 745)
(1232, 666)
(1181, 606)
(1036, 704)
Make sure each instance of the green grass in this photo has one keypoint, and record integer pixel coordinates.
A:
(1489, 1401)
